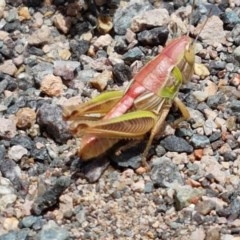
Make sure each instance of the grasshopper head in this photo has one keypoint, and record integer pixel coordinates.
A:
(189, 53)
(189, 59)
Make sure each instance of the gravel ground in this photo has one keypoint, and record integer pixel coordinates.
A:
(58, 53)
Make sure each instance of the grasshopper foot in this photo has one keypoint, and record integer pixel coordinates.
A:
(144, 168)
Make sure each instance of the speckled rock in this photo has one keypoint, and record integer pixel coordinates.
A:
(52, 231)
(52, 85)
(49, 117)
(66, 69)
(8, 128)
(123, 17)
(176, 144)
(185, 195)
(50, 197)
(164, 173)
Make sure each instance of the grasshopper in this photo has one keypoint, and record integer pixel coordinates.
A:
(139, 110)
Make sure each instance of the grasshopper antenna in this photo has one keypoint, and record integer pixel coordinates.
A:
(190, 20)
(191, 17)
(202, 27)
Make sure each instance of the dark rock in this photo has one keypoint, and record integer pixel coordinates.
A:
(130, 157)
(35, 51)
(25, 81)
(191, 101)
(214, 101)
(235, 105)
(32, 61)
(57, 163)
(132, 55)
(232, 211)
(116, 195)
(199, 141)
(162, 208)
(28, 221)
(217, 144)
(78, 48)
(101, 54)
(235, 33)
(202, 106)
(58, 2)
(217, 65)
(21, 101)
(50, 197)
(121, 73)
(7, 51)
(32, 104)
(2, 151)
(215, 136)
(198, 218)
(164, 173)
(12, 86)
(14, 3)
(12, 26)
(232, 142)
(160, 151)
(24, 141)
(33, 3)
(230, 19)
(11, 171)
(153, 37)
(5, 143)
(229, 156)
(120, 46)
(38, 169)
(184, 132)
(49, 118)
(40, 154)
(12, 109)
(91, 170)
(179, 3)
(3, 85)
(79, 28)
(176, 144)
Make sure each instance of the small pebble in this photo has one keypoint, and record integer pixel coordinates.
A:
(17, 152)
(199, 141)
(205, 207)
(62, 23)
(26, 118)
(52, 85)
(10, 223)
(100, 81)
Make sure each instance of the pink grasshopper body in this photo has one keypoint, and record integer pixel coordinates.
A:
(141, 109)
